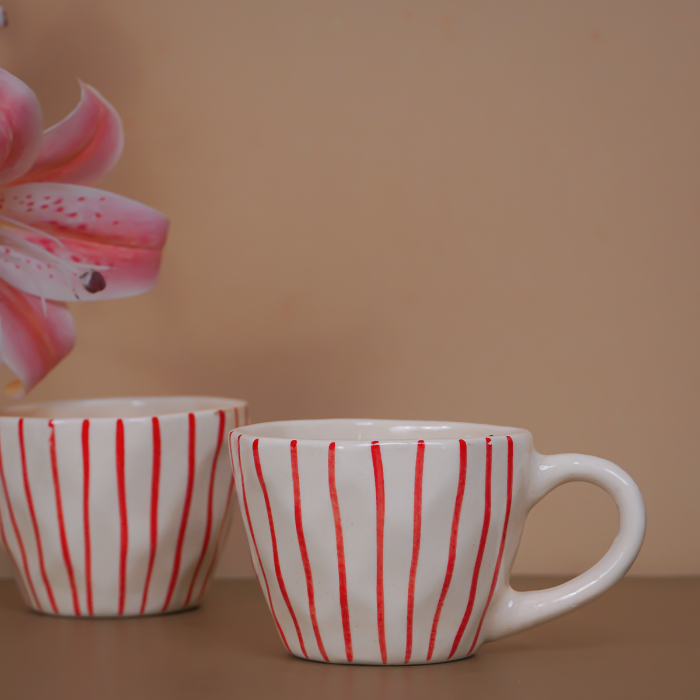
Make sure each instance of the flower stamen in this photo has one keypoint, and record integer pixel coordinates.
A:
(88, 275)
(93, 281)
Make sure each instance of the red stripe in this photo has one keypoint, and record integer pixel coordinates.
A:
(417, 514)
(340, 547)
(23, 552)
(222, 526)
(215, 555)
(509, 498)
(61, 522)
(32, 513)
(255, 545)
(155, 491)
(18, 576)
(235, 412)
(185, 511)
(210, 508)
(453, 544)
(86, 513)
(275, 554)
(123, 521)
(302, 547)
(379, 493)
(480, 554)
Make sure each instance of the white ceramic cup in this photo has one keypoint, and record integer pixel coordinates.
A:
(115, 507)
(391, 542)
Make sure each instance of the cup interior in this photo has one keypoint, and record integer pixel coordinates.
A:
(353, 429)
(127, 407)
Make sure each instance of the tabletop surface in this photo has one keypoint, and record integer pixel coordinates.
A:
(641, 640)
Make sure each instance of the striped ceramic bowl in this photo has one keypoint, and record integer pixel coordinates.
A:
(115, 507)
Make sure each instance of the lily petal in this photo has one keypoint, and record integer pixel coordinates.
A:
(70, 243)
(20, 127)
(84, 212)
(36, 336)
(83, 147)
(74, 269)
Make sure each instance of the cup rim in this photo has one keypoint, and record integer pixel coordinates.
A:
(458, 430)
(27, 411)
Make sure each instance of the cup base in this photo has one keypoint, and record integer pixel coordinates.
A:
(345, 662)
(126, 616)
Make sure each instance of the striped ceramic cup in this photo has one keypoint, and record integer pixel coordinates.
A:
(115, 507)
(391, 542)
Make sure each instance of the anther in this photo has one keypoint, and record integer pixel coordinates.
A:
(93, 281)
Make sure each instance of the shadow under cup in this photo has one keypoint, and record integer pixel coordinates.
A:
(116, 507)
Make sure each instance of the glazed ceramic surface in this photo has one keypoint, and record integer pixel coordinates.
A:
(391, 542)
(117, 506)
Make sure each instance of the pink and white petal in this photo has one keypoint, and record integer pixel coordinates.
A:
(74, 269)
(83, 147)
(34, 340)
(84, 212)
(20, 127)
(126, 271)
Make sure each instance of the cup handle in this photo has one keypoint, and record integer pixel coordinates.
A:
(513, 611)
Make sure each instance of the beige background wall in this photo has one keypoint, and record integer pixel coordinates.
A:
(482, 211)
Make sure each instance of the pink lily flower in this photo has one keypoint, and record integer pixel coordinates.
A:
(59, 240)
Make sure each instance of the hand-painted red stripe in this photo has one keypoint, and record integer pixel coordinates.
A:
(185, 511)
(235, 413)
(379, 496)
(155, 492)
(85, 439)
(255, 544)
(23, 552)
(18, 575)
(61, 521)
(480, 553)
(224, 521)
(32, 514)
(215, 554)
(210, 508)
(452, 552)
(275, 553)
(302, 547)
(123, 514)
(340, 548)
(509, 498)
(219, 536)
(417, 515)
